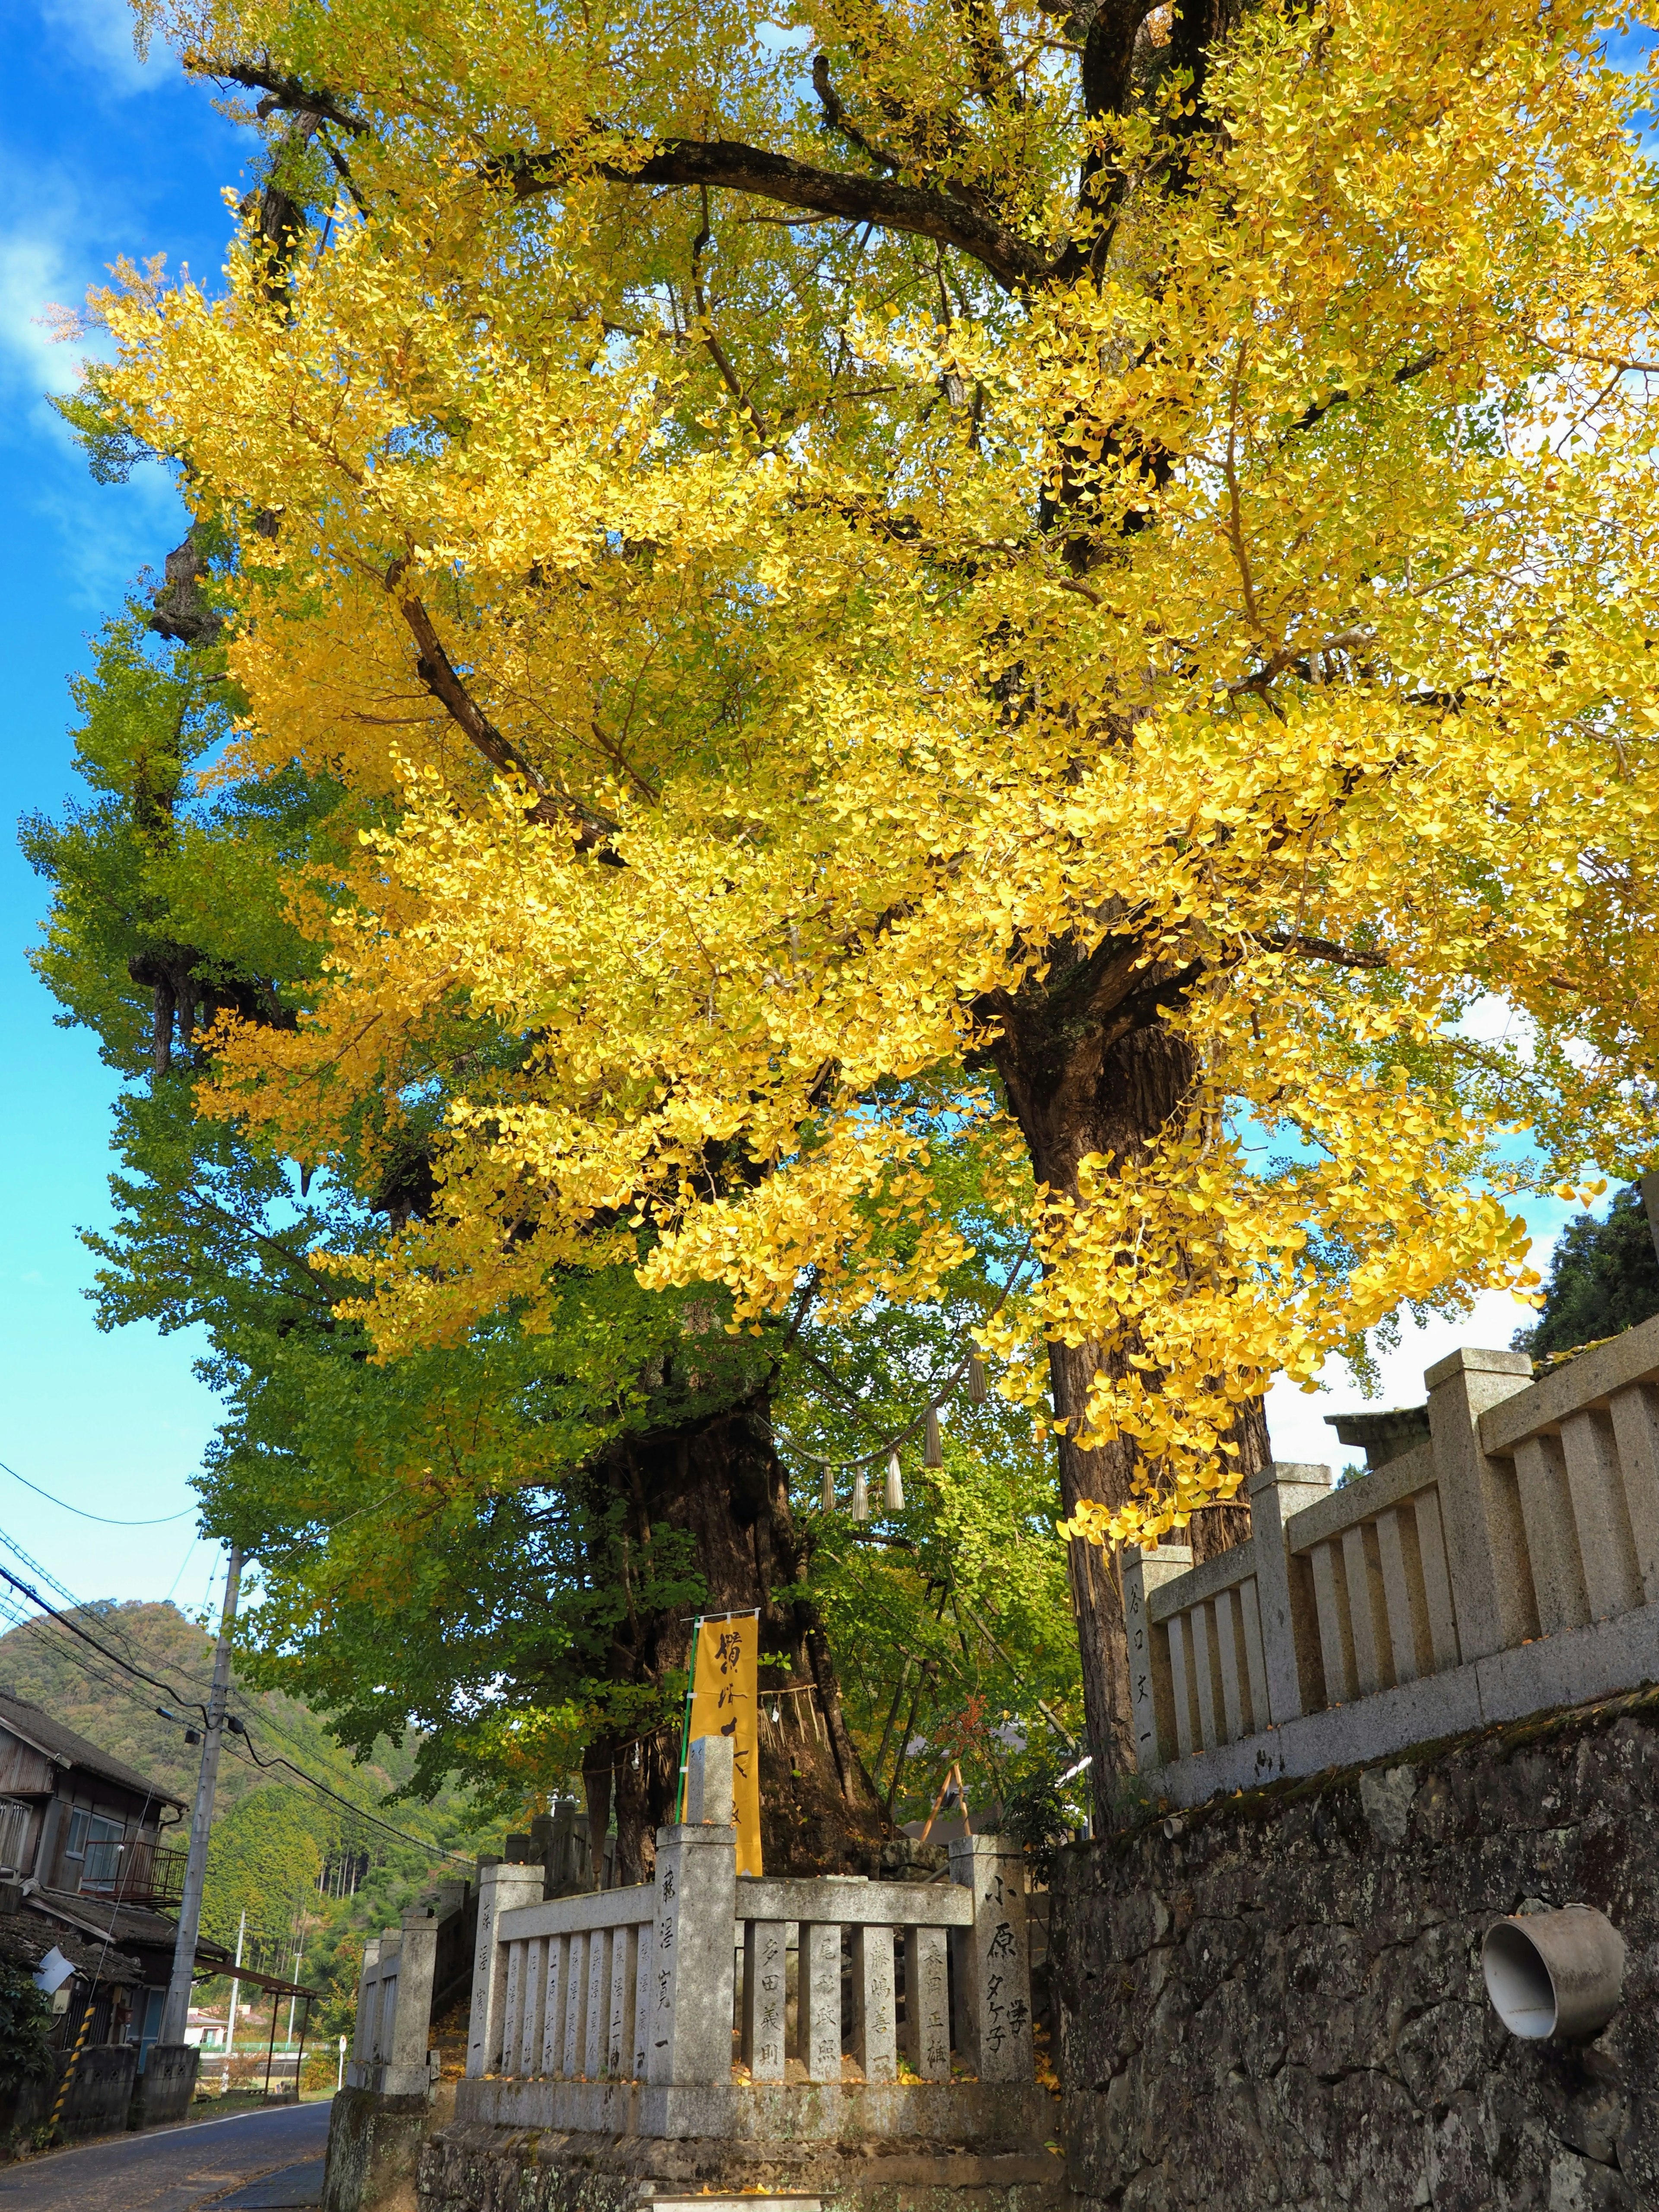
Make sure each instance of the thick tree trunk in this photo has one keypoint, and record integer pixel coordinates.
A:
(1090, 1066)
(720, 1488)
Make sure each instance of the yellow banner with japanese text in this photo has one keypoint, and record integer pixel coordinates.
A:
(724, 1702)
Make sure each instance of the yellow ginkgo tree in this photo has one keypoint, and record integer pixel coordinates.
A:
(1082, 576)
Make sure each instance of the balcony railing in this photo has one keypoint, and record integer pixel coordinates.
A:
(137, 1872)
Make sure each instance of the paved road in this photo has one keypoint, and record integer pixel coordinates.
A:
(254, 2162)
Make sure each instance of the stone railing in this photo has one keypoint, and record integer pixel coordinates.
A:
(700, 2004)
(1507, 1562)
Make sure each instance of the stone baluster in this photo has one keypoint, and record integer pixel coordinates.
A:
(818, 1999)
(624, 1974)
(993, 1967)
(500, 1888)
(555, 1994)
(927, 2003)
(765, 1963)
(368, 2013)
(689, 2038)
(875, 2004)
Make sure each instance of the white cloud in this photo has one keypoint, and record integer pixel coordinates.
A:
(98, 35)
(48, 256)
(34, 274)
(1296, 1418)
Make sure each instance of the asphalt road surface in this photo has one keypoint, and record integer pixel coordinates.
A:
(254, 2162)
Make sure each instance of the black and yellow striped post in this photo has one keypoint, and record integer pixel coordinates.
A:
(87, 2011)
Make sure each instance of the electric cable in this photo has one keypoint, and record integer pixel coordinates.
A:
(159, 1521)
(420, 1843)
(234, 1723)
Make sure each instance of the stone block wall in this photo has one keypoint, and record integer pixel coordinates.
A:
(1275, 2000)
(163, 2092)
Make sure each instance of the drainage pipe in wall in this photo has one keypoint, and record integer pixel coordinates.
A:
(1554, 1974)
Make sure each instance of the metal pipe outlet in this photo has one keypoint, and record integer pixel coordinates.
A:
(1555, 1974)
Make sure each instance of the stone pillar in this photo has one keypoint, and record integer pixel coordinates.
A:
(993, 1958)
(368, 2013)
(624, 1982)
(1480, 1503)
(875, 2004)
(1290, 1629)
(406, 2072)
(765, 1961)
(1142, 1573)
(500, 1889)
(818, 2000)
(690, 2031)
(927, 2003)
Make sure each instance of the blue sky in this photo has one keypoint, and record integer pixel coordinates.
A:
(98, 156)
(101, 156)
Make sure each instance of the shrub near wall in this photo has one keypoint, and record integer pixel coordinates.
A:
(1275, 1999)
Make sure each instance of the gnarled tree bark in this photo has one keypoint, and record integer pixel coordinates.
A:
(720, 1484)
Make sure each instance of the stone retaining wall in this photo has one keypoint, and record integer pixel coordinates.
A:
(473, 2168)
(1275, 2000)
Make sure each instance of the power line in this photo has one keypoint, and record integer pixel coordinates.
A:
(160, 1521)
(422, 1843)
(241, 1729)
(114, 1657)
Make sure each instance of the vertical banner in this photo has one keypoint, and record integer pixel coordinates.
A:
(724, 1702)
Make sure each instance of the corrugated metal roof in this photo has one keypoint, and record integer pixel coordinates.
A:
(37, 1728)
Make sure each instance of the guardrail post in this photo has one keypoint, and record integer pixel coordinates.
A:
(500, 1889)
(689, 2038)
(994, 1962)
(1290, 1630)
(1479, 1504)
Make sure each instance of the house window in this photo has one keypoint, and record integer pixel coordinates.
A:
(14, 1829)
(100, 1851)
(75, 1842)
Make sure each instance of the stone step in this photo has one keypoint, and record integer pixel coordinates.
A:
(653, 2202)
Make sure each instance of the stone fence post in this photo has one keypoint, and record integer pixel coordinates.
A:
(500, 1889)
(689, 1990)
(1479, 1505)
(992, 1960)
(1142, 1573)
(406, 2073)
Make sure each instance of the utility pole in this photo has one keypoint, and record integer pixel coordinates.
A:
(175, 2013)
(235, 1990)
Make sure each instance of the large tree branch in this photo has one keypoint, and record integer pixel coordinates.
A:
(836, 118)
(1343, 395)
(728, 165)
(283, 95)
(437, 671)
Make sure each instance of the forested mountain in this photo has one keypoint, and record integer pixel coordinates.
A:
(310, 1873)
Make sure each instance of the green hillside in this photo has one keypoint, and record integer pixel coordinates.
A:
(312, 1875)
